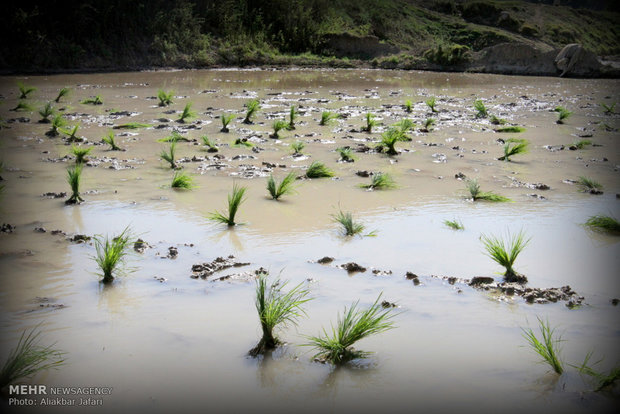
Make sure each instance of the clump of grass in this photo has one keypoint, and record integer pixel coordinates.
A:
(476, 194)
(431, 102)
(111, 254)
(481, 110)
(24, 90)
(429, 123)
(291, 118)
(405, 125)
(242, 142)
(182, 180)
(581, 144)
(602, 380)
(497, 121)
(235, 199)
(370, 123)
(547, 347)
(276, 308)
(336, 346)
(252, 106)
(132, 125)
(211, 146)
(513, 128)
(278, 125)
(187, 113)
(57, 123)
(111, 141)
(29, 358)
(80, 153)
(380, 181)
(454, 224)
(96, 100)
(297, 147)
(609, 109)
(169, 155)
(284, 187)
(318, 170)
(72, 134)
(389, 139)
(74, 175)
(349, 226)
(505, 253)
(63, 92)
(605, 224)
(346, 154)
(513, 147)
(588, 185)
(226, 120)
(327, 117)
(408, 106)
(46, 112)
(23, 107)
(175, 136)
(563, 114)
(165, 98)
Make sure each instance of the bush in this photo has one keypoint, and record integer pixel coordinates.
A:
(453, 54)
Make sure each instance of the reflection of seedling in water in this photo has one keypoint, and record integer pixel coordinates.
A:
(285, 187)
(608, 109)
(408, 106)
(110, 140)
(506, 252)
(370, 123)
(291, 118)
(74, 175)
(93, 101)
(252, 106)
(165, 98)
(588, 185)
(46, 112)
(454, 224)
(62, 93)
(327, 117)
(605, 224)
(548, 348)
(226, 120)
(380, 181)
(514, 129)
(481, 109)
(29, 358)
(187, 113)
(276, 308)
(318, 170)
(297, 147)
(476, 194)
(174, 137)
(514, 146)
(497, 121)
(23, 107)
(388, 141)
(24, 90)
(431, 102)
(111, 254)
(563, 114)
(80, 153)
(182, 180)
(336, 346)
(211, 146)
(168, 156)
(57, 122)
(278, 125)
(234, 201)
(346, 154)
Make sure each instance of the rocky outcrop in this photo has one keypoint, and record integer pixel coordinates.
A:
(359, 47)
(573, 59)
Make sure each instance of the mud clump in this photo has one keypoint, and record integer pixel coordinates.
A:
(353, 267)
(54, 195)
(7, 228)
(140, 246)
(481, 280)
(173, 252)
(325, 260)
(204, 270)
(79, 238)
(241, 277)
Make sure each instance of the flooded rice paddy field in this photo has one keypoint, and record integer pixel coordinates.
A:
(164, 339)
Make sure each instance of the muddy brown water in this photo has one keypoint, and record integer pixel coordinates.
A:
(183, 342)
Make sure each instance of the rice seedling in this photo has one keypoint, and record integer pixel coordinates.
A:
(235, 199)
(165, 98)
(563, 114)
(278, 125)
(23, 107)
(111, 253)
(72, 134)
(605, 224)
(497, 121)
(74, 175)
(318, 170)
(370, 123)
(110, 140)
(581, 144)
(327, 117)
(547, 347)
(602, 380)
(28, 358)
(168, 156)
(476, 194)
(454, 224)
(80, 153)
(431, 102)
(349, 226)
(182, 180)
(481, 110)
(609, 109)
(588, 185)
(429, 123)
(513, 128)
(25, 91)
(132, 125)
(46, 112)
(211, 146)
(355, 324)
(297, 147)
(380, 181)
(505, 253)
(252, 106)
(63, 92)
(388, 141)
(346, 154)
(242, 142)
(283, 188)
(226, 120)
(276, 308)
(187, 113)
(175, 136)
(405, 125)
(57, 123)
(513, 147)
(96, 100)
(408, 106)
(291, 118)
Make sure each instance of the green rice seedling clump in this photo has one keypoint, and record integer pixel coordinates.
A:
(278, 125)
(29, 358)
(454, 224)
(588, 185)
(291, 118)
(174, 137)
(336, 346)
(346, 154)
(165, 98)
(497, 121)
(182, 180)
(546, 347)
(276, 308)
(297, 147)
(481, 109)
(111, 253)
(24, 90)
(581, 144)
(380, 181)
(514, 129)
(74, 175)
(72, 135)
(429, 123)
(242, 142)
(609, 109)
(505, 253)
(252, 106)
(408, 106)
(80, 153)
(349, 226)
(110, 139)
(477, 194)
(602, 380)
(226, 120)
(370, 123)
(57, 123)
(389, 139)
(211, 146)
(318, 170)
(283, 188)
(513, 147)
(327, 117)
(563, 114)
(169, 156)
(605, 224)
(187, 113)
(431, 102)
(46, 112)
(63, 92)
(235, 199)
(132, 125)
(23, 106)
(96, 100)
